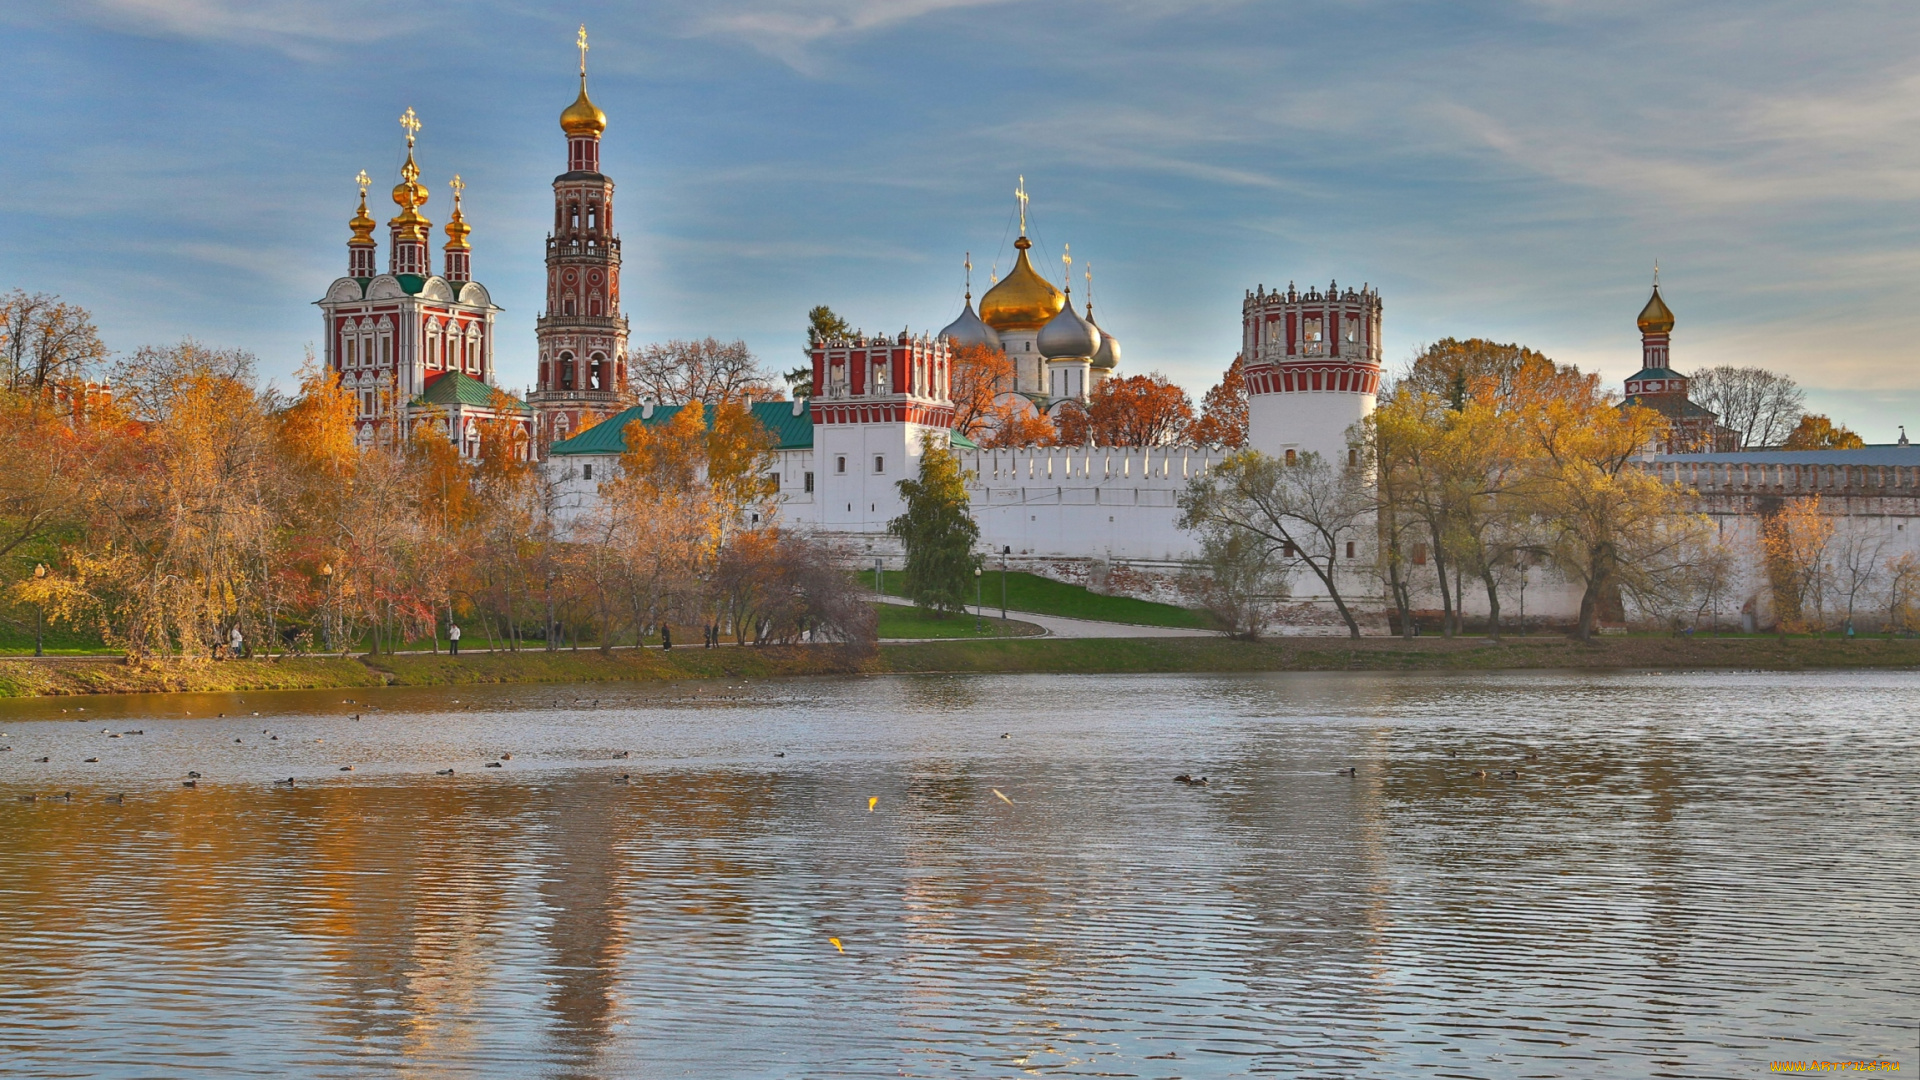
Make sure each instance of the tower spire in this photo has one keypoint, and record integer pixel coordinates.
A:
(362, 248)
(459, 254)
(1020, 193)
(969, 266)
(409, 227)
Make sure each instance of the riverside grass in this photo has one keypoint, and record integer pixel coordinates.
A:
(1082, 656)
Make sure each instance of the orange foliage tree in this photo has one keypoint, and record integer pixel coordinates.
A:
(1816, 432)
(1223, 412)
(980, 375)
(1140, 410)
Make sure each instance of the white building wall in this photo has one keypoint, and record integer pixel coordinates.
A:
(1303, 421)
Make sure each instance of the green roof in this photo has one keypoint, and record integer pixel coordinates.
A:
(455, 388)
(790, 432)
(412, 283)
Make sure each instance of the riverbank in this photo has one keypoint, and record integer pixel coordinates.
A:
(1094, 656)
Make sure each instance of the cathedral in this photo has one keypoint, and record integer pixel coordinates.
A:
(1057, 355)
(414, 347)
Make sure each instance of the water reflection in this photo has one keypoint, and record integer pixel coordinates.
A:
(1526, 876)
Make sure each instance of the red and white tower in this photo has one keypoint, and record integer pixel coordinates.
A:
(1312, 365)
(582, 336)
(874, 400)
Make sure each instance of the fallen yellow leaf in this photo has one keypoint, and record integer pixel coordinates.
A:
(836, 944)
(872, 800)
(1003, 796)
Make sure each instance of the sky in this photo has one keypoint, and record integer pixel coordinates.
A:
(1509, 169)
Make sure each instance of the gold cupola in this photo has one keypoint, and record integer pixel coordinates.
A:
(457, 228)
(362, 222)
(1655, 318)
(583, 119)
(409, 194)
(1023, 300)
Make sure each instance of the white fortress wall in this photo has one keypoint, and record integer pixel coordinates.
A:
(1085, 502)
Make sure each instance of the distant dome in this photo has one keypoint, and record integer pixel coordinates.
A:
(1067, 336)
(1655, 318)
(1023, 300)
(1107, 356)
(583, 118)
(967, 331)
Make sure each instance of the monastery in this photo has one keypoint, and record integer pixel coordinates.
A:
(419, 348)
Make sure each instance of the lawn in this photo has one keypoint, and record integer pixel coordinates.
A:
(907, 622)
(1045, 596)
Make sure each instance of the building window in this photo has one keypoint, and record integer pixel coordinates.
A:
(879, 463)
(809, 483)
(840, 464)
(1310, 330)
(1419, 554)
(1349, 549)
(586, 473)
(1353, 456)
(1290, 551)
(773, 479)
(1291, 459)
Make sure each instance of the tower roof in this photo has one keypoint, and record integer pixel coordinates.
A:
(583, 119)
(1023, 300)
(1655, 318)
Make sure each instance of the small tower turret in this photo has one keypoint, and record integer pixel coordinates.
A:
(458, 252)
(1312, 367)
(362, 249)
(410, 227)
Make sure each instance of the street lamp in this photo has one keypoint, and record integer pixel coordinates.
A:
(1005, 551)
(976, 599)
(326, 617)
(40, 614)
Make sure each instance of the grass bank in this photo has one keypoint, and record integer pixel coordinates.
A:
(1045, 596)
(896, 621)
(32, 678)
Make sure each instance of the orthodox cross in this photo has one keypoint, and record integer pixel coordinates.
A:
(1021, 194)
(1089, 289)
(411, 123)
(583, 50)
(458, 185)
(1656, 273)
(1066, 259)
(969, 265)
(363, 180)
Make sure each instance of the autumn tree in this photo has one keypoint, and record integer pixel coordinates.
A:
(1760, 406)
(1223, 412)
(980, 376)
(1606, 523)
(45, 341)
(1795, 539)
(707, 370)
(1139, 410)
(1018, 424)
(1816, 432)
(938, 531)
(1308, 511)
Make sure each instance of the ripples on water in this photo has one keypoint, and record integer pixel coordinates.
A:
(1694, 876)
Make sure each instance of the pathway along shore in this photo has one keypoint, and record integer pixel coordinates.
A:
(1090, 656)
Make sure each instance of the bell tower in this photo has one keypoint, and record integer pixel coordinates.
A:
(582, 336)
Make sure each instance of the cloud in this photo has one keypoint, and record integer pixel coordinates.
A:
(788, 30)
(300, 29)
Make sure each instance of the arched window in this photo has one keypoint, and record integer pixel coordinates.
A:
(560, 427)
(566, 371)
(574, 213)
(1290, 458)
(473, 349)
(597, 372)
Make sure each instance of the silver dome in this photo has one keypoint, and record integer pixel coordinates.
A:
(1107, 356)
(968, 330)
(1067, 336)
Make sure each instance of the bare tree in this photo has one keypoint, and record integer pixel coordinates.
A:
(1308, 511)
(146, 382)
(44, 340)
(1762, 406)
(708, 370)
(1857, 555)
(1236, 580)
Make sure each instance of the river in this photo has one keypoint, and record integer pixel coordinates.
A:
(1525, 875)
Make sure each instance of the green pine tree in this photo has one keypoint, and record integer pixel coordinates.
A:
(938, 532)
(822, 325)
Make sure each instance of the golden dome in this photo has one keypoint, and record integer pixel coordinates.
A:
(583, 117)
(362, 224)
(1023, 300)
(1655, 318)
(409, 194)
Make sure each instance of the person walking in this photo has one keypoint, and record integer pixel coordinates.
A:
(237, 644)
(453, 639)
(666, 636)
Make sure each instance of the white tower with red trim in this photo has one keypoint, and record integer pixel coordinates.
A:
(874, 400)
(1312, 365)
